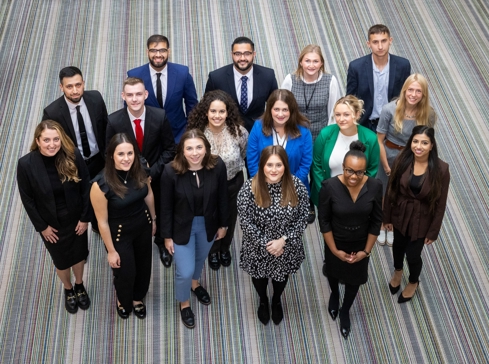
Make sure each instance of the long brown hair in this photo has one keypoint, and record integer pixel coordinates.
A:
(65, 158)
(295, 119)
(180, 164)
(424, 111)
(136, 171)
(259, 184)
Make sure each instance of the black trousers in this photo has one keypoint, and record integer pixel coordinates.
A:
(155, 186)
(132, 240)
(350, 294)
(412, 250)
(95, 165)
(261, 285)
(234, 185)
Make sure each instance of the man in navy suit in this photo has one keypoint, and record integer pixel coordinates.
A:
(168, 84)
(248, 84)
(150, 130)
(378, 77)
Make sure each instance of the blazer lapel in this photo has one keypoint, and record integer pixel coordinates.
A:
(65, 112)
(392, 75)
(207, 187)
(170, 83)
(44, 183)
(148, 130)
(370, 75)
(91, 112)
(231, 85)
(146, 76)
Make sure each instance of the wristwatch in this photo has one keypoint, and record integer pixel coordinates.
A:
(368, 254)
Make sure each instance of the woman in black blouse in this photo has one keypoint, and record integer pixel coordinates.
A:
(123, 202)
(53, 182)
(350, 215)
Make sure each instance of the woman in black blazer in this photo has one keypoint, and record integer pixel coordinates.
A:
(194, 212)
(53, 182)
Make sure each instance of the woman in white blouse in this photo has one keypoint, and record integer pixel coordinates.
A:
(218, 117)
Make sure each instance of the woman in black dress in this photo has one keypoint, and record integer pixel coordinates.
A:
(53, 182)
(123, 202)
(350, 215)
(273, 208)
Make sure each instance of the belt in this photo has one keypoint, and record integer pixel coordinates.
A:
(391, 145)
(91, 159)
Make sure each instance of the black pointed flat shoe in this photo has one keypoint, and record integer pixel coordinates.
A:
(403, 299)
(345, 324)
(333, 307)
(277, 312)
(393, 289)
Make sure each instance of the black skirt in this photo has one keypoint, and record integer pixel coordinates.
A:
(354, 274)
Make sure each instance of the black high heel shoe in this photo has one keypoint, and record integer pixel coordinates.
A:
(345, 324)
(393, 289)
(333, 306)
(403, 299)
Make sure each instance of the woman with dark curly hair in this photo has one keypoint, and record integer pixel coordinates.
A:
(218, 117)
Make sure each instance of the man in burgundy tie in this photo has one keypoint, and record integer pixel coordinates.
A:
(151, 131)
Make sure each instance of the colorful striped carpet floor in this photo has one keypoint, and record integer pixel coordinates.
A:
(447, 321)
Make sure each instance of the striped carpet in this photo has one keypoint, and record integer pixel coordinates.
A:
(447, 321)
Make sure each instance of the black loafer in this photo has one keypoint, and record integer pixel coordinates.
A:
(214, 262)
(123, 314)
(71, 303)
(277, 312)
(165, 256)
(263, 312)
(202, 295)
(82, 298)
(225, 258)
(187, 317)
(140, 310)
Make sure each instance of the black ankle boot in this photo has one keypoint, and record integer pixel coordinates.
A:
(264, 311)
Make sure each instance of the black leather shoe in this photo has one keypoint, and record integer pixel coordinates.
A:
(165, 256)
(324, 269)
(140, 310)
(277, 312)
(213, 260)
(225, 258)
(202, 295)
(403, 299)
(187, 317)
(311, 217)
(82, 297)
(333, 306)
(263, 312)
(123, 314)
(393, 289)
(71, 303)
(345, 324)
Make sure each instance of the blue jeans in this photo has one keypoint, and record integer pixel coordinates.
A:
(190, 259)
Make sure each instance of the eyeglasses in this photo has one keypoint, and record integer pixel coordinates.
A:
(155, 51)
(349, 172)
(239, 54)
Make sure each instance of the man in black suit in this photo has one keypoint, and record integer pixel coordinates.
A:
(151, 131)
(378, 77)
(83, 116)
(248, 84)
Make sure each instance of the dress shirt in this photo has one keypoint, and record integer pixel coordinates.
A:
(132, 118)
(381, 88)
(92, 140)
(163, 78)
(237, 84)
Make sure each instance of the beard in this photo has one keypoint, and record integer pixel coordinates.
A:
(158, 65)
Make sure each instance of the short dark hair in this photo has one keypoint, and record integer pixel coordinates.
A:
(69, 72)
(157, 38)
(243, 40)
(357, 149)
(131, 81)
(378, 29)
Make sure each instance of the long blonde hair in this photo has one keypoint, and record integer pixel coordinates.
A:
(425, 115)
(311, 48)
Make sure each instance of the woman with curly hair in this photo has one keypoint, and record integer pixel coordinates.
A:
(218, 117)
(53, 182)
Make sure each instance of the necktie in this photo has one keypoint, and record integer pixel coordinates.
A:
(243, 105)
(139, 134)
(159, 93)
(83, 133)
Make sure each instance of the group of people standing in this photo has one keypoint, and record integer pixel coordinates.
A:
(147, 170)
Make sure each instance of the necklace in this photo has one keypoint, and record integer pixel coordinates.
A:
(123, 179)
(410, 116)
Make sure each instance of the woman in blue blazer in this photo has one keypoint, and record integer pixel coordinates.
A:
(282, 124)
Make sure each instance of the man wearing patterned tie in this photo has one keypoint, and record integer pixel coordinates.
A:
(248, 84)
(149, 129)
(169, 85)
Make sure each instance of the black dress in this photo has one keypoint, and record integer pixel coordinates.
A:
(350, 222)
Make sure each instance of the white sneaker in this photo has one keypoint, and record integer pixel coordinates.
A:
(390, 238)
(381, 238)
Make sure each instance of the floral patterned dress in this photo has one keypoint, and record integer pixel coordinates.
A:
(261, 225)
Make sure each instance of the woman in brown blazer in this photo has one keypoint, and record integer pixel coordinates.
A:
(414, 205)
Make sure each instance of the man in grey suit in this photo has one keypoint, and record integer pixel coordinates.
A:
(377, 77)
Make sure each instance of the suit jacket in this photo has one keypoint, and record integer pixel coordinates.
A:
(264, 83)
(177, 203)
(180, 87)
(59, 112)
(37, 194)
(360, 80)
(413, 212)
(158, 142)
(299, 151)
(323, 147)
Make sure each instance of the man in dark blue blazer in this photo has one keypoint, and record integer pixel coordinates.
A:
(260, 81)
(175, 84)
(378, 77)
(156, 145)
